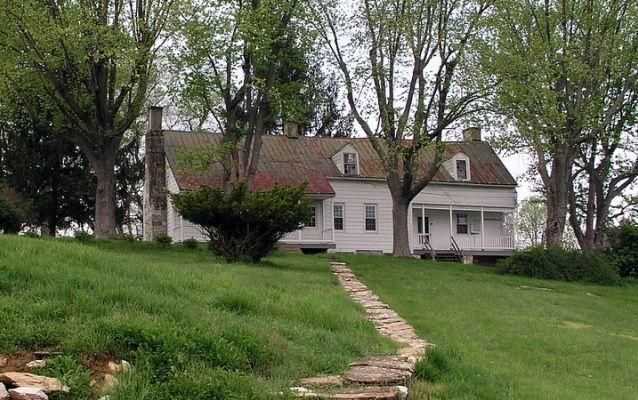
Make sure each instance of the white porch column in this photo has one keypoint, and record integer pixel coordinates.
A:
(332, 214)
(482, 229)
(451, 221)
(423, 220)
(412, 243)
(324, 226)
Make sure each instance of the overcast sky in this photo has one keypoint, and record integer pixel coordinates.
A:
(517, 165)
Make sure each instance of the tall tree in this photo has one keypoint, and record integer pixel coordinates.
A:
(94, 61)
(530, 221)
(239, 60)
(568, 77)
(414, 59)
(41, 165)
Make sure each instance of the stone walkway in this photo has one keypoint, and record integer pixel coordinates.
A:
(374, 378)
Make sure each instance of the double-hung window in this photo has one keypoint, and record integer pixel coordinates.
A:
(350, 164)
(339, 217)
(313, 218)
(461, 170)
(371, 217)
(461, 224)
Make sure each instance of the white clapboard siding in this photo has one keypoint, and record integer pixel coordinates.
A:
(355, 194)
(178, 228)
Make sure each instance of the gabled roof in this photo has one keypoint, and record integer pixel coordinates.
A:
(294, 161)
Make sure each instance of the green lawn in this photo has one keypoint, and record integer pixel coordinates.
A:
(498, 340)
(194, 328)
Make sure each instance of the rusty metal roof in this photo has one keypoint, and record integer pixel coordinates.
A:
(294, 161)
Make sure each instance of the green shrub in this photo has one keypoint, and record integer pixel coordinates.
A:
(244, 225)
(82, 236)
(128, 237)
(190, 243)
(164, 240)
(624, 249)
(562, 264)
(14, 211)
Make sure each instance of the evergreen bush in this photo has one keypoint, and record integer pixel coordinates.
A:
(624, 249)
(244, 225)
(562, 264)
(164, 240)
(14, 211)
(190, 243)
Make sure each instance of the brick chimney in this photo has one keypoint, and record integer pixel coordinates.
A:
(472, 134)
(155, 193)
(292, 129)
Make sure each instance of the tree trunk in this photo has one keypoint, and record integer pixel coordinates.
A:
(400, 234)
(104, 166)
(557, 200)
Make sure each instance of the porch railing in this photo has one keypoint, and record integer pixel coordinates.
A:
(488, 242)
(471, 242)
(423, 239)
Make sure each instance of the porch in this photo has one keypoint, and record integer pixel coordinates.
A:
(318, 234)
(464, 231)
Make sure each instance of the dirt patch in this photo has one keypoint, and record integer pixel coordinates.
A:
(625, 336)
(576, 325)
(543, 289)
(16, 362)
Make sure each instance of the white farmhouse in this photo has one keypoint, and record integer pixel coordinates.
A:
(465, 212)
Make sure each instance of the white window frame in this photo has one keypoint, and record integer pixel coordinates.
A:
(365, 217)
(467, 169)
(312, 218)
(343, 216)
(466, 224)
(356, 163)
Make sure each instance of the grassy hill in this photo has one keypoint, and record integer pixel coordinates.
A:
(504, 337)
(197, 328)
(192, 326)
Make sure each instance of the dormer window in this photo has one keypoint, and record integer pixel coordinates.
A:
(461, 170)
(350, 164)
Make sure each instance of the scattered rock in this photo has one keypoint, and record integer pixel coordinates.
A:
(46, 354)
(104, 384)
(3, 361)
(20, 379)
(4, 395)
(117, 368)
(27, 393)
(303, 392)
(36, 364)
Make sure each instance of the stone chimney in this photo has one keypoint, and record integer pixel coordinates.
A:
(472, 134)
(155, 192)
(292, 129)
